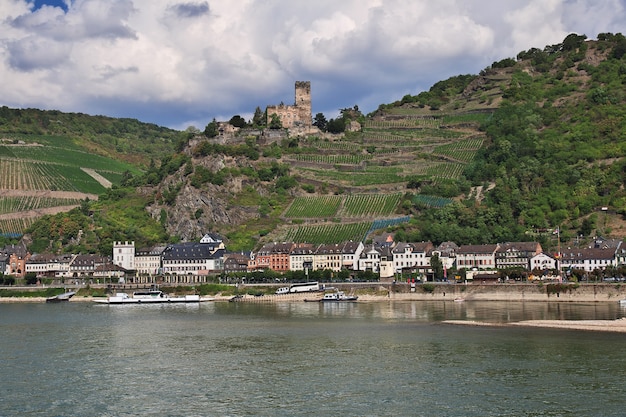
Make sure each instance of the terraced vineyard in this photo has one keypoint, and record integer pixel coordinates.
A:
(367, 205)
(15, 227)
(333, 159)
(33, 202)
(374, 165)
(309, 207)
(328, 233)
(49, 176)
(402, 143)
(431, 201)
(462, 151)
(351, 206)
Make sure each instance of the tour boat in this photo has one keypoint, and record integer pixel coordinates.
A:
(338, 296)
(150, 297)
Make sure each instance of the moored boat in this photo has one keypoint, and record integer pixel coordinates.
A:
(61, 297)
(150, 297)
(338, 296)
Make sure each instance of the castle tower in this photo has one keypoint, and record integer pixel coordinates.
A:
(124, 254)
(303, 102)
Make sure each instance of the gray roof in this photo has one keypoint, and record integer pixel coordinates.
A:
(189, 250)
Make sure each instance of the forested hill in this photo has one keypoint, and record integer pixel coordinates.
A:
(124, 139)
(554, 155)
(532, 143)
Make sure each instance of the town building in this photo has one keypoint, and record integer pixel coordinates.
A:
(328, 256)
(14, 259)
(350, 255)
(49, 265)
(588, 259)
(412, 256)
(386, 268)
(148, 261)
(543, 262)
(236, 262)
(370, 259)
(260, 260)
(192, 258)
(476, 256)
(516, 254)
(124, 255)
(301, 257)
(447, 254)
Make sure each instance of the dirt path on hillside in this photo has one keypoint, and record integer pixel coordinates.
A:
(93, 174)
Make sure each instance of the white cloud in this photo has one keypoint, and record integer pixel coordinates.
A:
(176, 61)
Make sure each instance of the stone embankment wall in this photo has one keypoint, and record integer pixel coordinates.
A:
(498, 292)
(583, 293)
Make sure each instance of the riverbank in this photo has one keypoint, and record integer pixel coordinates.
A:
(590, 293)
(519, 292)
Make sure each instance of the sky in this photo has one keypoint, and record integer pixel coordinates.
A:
(181, 63)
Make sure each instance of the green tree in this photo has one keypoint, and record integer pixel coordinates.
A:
(587, 225)
(275, 122)
(210, 131)
(573, 41)
(238, 121)
(336, 125)
(437, 267)
(259, 117)
(31, 278)
(320, 121)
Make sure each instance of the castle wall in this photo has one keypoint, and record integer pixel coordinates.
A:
(298, 114)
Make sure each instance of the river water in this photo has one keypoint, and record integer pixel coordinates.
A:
(303, 359)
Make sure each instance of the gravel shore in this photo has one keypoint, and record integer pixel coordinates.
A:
(614, 326)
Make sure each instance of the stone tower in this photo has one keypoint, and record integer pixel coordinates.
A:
(303, 102)
(124, 254)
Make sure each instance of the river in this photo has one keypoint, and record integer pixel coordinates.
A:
(297, 359)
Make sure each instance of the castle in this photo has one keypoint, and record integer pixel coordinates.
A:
(298, 115)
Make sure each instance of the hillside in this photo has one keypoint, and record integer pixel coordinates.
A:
(530, 144)
(51, 161)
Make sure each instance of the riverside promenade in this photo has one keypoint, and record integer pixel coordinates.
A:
(376, 291)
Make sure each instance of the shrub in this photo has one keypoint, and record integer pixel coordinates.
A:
(429, 288)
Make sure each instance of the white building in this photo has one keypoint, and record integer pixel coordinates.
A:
(148, 260)
(588, 259)
(476, 256)
(542, 262)
(301, 257)
(350, 255)
(328, 256)
(124, 255)
(370, 260)
(412, 255)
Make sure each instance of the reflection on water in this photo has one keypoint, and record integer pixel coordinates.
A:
(434, 311)
(291, 359)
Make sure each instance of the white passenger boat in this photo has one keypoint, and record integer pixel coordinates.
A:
(338, 296)
(150, 297)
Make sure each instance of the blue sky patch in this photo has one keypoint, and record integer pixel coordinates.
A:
(55, 3)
